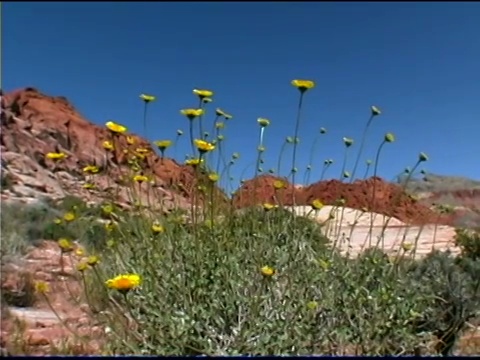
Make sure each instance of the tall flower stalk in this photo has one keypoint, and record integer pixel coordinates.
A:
(374, 112)
(308, 171)
(302, 86)
(204, 96)
(147, 99)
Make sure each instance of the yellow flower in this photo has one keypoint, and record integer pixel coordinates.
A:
(213, 177)
(57, 221)
(69, 216)
(124, 283)
(130, 140)
(108, 145)
(79, 251)
(375, 111)
(157, 229)
(56, 156)
(263, 122)
(192, 113)
(267, 271)
(278, 184)
(389, 137)
(422, 157)
(202, 93)
(204, 146)
(163, 144)
(324, 264)
(220, 112)
(206, 100)
(110, 243)
(93, 260)
(406, 246)
(82, 266)
(140, 178)
(303, 85)
(115, 128)
(268, 206)
(107, 209)
(65, 245)
(42, 287)
(91, 169)
(348, 141)
(109, 226)
(219, 125)
(142, 151)
(193, 162)
(317, 204)
(147, 98)
(88, 186)
(312, 305)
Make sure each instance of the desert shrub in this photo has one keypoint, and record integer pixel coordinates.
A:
(469, 242)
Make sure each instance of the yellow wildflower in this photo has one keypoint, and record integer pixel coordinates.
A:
(157, 229)
(108, 145)
(147, 98)
(348, 141)
(124, 283)
(109, 226)
(91, 169)
(317, 204)
(42, 287)
(406, 246)
(115, 128)
(278, 184)
(56, 156)
(202, 93)
(220, 112)
(142, 151)
(375, 111)
(203, 146)
(69, 216)
(163, 144)
(107, 209)
(303, 85)
(312, 305)
(219, 125)
(263, 122)
(57, 221)
(268, 206)
(65, 245)
(93, 260)
(140, 178)
(389, 137)
(88, 186)
(193, 162)
(130, 140)
(192, 113)
(267, 271)
(79, 251)
(213, 177)
(82, 266)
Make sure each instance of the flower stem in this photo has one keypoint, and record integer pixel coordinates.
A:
(295, 142)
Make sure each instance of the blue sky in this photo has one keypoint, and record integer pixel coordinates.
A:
(418, 62)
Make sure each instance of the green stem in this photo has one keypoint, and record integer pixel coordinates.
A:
(295, 141)
(360, 150)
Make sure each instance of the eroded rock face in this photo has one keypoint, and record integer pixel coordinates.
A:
(33, 124)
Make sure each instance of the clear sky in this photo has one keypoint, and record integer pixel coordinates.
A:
(418, 62)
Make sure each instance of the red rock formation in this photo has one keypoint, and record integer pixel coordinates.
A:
(33, 124)
(389, 198)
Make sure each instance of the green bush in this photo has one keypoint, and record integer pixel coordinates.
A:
(469, 243)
